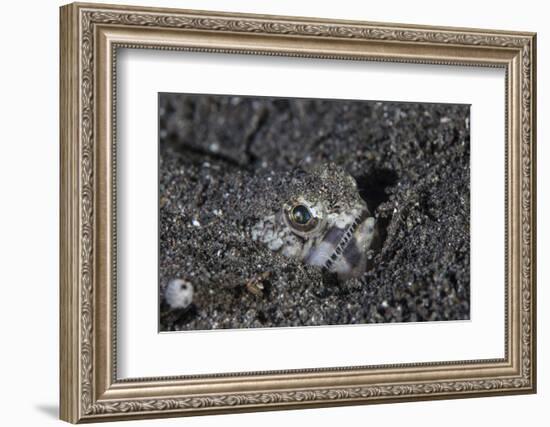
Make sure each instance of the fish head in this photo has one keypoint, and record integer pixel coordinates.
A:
(322, 221)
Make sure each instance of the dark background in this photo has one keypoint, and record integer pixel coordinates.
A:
(411, 163)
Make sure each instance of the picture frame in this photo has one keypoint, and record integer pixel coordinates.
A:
(91, 36)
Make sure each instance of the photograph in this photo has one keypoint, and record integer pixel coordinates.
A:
(295, 212)
(262, 211)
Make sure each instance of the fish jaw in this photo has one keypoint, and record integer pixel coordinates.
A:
(353, 260)
(343, 249)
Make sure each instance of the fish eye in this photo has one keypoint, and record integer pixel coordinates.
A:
(300, 214)
(302, 218)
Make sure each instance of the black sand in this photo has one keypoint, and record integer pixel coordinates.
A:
(220, 159)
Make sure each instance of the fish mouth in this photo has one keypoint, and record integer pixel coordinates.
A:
(345, 241)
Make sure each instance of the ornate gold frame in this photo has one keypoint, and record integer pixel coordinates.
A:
(90, 35)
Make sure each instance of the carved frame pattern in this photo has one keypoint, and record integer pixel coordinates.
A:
(80, 401)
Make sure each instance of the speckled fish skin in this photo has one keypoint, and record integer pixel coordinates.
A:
(343, 228)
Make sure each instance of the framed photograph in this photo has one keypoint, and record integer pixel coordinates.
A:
(266, 212)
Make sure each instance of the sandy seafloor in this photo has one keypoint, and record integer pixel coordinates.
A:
(220, 159)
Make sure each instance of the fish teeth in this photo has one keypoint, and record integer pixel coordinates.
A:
(344, 241)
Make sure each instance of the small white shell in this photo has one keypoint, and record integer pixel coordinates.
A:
(179, 293)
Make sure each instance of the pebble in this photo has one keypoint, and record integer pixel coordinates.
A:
(179, 293)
